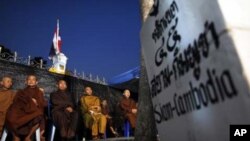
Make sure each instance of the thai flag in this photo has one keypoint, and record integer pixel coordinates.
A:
(56, 45)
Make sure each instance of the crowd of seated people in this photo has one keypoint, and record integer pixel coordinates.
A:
(22, 112)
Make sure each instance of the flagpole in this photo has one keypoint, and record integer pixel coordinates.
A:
(57, 27)
(57, 34)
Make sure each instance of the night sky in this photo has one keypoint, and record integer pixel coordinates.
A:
(100, 37)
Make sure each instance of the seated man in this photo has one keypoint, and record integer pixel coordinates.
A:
(63, 111)
(128, 107)
(25, 115)
(106, 113)
(91, 110)
(6, 98)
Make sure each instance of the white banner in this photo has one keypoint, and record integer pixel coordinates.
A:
(195, 56)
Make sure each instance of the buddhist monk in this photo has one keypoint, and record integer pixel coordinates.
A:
(129, 109)
(6, 99)
(25, 114)
(106, 113)
(64, 112)
(91, 110)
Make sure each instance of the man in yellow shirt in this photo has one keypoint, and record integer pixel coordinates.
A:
(91, 110)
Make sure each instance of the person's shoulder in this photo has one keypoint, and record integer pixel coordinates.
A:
(84, 96)
(131, 99)
(41, 89)
(122, 98)
(8, 92)
(96, 97)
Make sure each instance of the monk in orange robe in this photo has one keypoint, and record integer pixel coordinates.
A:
(129, 108)
(64, 111)
(26, 113)
(93, 117)
(6, 99)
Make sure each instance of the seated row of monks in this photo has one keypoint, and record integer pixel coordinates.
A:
(21, 113)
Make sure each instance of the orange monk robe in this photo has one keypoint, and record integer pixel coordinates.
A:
(127, 104)
(93, 119)
(6, 99)
(23, 114)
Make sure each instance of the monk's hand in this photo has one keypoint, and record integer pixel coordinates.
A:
(96, 108)
(69, 109)
(108, 116)
(134, 111)
(34, 100)
(91, 112)
(42, 132)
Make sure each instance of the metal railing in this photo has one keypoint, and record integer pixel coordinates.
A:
(88, 77)
(13, 57)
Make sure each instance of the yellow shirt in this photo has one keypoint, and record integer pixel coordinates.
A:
(89, 102)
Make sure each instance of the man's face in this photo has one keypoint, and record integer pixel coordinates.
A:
(6, 82)
(62, 85)
(31, 81)
(104, 102)
(88, 91)
(127, 93)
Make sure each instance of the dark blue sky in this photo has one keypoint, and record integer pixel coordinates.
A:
(98, 36)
